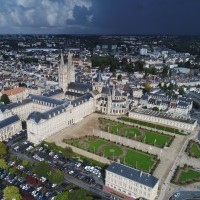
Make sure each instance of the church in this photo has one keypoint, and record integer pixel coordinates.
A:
(46, 116)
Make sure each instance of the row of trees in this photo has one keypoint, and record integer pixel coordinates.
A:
(9, 192)
(124, 65)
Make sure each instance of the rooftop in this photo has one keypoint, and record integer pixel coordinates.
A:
(14, 91)
(133, 174)
(163, 115)
(8, 121)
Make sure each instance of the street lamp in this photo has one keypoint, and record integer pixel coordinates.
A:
(154, 142)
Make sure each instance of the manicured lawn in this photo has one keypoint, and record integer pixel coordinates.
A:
(131, 157)
(138, 160)
(132, 132)
(155, 138)
(190, 174)
(195, 150)
(112, 150)
(124, 130)
(93, 145)
(147, 124)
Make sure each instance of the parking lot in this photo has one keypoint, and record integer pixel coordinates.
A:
(77, 172)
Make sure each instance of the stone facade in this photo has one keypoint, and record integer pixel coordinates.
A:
(130, 183)
(165, 119)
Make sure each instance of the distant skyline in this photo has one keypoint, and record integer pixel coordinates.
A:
(172, 17)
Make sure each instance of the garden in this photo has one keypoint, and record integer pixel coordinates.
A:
(132, 157)
(151, 125)
(146, 136)
(186, 175)
(193, 149)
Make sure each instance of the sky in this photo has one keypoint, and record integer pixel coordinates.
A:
(100, 17)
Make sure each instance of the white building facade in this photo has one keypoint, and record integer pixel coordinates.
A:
(130, 183)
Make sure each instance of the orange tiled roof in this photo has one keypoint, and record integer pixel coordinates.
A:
(14, 91)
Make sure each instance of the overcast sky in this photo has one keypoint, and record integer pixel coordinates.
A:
(100, 16)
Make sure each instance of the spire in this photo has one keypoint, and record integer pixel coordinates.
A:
(69, 58)
(113, 91)
(62, 59)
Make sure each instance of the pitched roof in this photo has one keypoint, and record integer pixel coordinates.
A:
(44, 99)
(80, 86)
(133, 174)
(3, 107)
(37, 116)
(14, 91)
(8, 121)
(81, 99)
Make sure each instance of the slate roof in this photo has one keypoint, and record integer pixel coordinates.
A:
(133, 174)
(106, 90)
(44, 99)
(73, 94)
(8, 121)
(37, 116)
(20, 103)
(81, 99)
(3, 107)
(117, 93)
(80, 86)
(52, 92)
(98, 78)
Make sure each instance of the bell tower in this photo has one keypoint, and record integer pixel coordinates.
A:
(62, 74)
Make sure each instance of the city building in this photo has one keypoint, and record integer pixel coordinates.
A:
(16, 94)
(129, 183)
(167, 119)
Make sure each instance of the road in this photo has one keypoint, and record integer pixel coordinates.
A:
(186, 195)
(174, 166)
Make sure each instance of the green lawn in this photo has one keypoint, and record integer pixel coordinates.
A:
(124, 130)
(93, 145)
(195, 150)
(188, 175)
(138, 160)
(155, 138)
(112, 150)
(133, 158)
(131, 132)
(151, 125)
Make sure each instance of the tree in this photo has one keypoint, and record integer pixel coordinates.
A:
(139, 66)
(62, 196)
(165, 71)
(147, 87)
(3, 164)
(67, 152)
(41, 169)
(119, 77)
(25, 163)
(78, 194)
(3, 150)
(22, 85)
(5, 99)
(11, 193)
(181, 91)
(56, 176)
(155, 109)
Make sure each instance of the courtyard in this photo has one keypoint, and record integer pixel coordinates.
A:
(146, 136)
(113, 151)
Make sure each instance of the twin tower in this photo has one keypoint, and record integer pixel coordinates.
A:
(66, 72)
